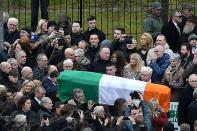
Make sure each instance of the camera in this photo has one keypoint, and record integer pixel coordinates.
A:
(125, 118)
(134, 95)
(45, 116)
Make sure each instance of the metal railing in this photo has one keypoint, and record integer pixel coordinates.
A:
(110, 14)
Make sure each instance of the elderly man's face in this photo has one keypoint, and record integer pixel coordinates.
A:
(70, 55)
(12, 26)
(145, 76)
(80, 97)
(7, 68)
(160, 40)
(158, 51)
(43, 62)
(28, 74)
(105, 54)
(22, 58)
(68, 66)
(193, 81)
(48, 105)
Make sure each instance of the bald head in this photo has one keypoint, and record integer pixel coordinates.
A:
(69, 53)
(193, 80)
(27, 73)
(159, 50)
(105, 53)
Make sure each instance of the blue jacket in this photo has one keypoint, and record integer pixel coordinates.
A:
(159, 68)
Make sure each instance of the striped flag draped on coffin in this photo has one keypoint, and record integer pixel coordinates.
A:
(105, 89)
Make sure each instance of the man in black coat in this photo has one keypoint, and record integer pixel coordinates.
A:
(100, 65)
(93, 30)
(186, 98)
(40, 92)
(189, 28)
(192, 110)
(172, 31)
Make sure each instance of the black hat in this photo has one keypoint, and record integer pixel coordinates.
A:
(51, 23)
(27, 29)
(157, 5)
(187, 6)
(168, 127)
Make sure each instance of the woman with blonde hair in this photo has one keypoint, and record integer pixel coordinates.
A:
(146, 41)
(132, 70)
(42, 27)
(158, 116)
(27, 87)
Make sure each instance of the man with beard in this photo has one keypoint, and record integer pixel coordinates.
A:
(191, 68)
(186, 56)
(116, 43)
(189, 28)
(76, 32)
(186, 13)
(192, 39)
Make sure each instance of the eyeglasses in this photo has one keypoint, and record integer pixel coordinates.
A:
(179, 16)
(193, 81)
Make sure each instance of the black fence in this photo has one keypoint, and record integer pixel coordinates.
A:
(109, 13)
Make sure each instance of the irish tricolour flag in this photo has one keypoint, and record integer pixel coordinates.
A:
(105, 89)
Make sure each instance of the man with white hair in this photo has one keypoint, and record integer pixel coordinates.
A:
(99, 66)
(159, 63)
(26, 73)
(160, 40)
(68, 64)
(5, 68)
(46, 108)
(69, 53)
(189, 28)
(11, 34)
(83, 61)
(146, 74)
(186, 98)
(21, 58)
(39, 71)
(20, 122)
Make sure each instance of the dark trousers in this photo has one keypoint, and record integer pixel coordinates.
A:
(34, 12)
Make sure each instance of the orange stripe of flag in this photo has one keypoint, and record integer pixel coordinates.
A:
(161, 92)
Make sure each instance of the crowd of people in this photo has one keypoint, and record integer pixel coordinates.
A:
(30, 63)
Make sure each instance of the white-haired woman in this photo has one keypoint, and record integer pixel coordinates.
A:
(173, 76)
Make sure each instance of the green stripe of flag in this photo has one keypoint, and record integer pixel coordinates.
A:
(69, 80)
